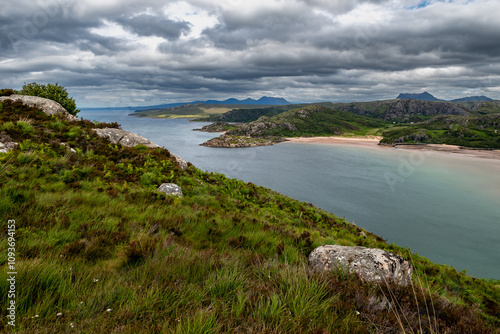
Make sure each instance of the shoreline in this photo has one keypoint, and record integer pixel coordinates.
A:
(373, 142)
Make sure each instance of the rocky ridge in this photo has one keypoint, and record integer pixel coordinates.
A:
(404, 109)
(240, 141)
(49, 107)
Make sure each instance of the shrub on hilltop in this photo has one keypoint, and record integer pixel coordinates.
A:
(52, 92)
(6, 92)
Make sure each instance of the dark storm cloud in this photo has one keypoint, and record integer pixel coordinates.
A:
(148, 25)
(236, 31)
(308, 49)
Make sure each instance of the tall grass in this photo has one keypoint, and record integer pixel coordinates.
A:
(101, 251)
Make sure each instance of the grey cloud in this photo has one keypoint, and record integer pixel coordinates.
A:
(340, 6)
(237, 31)
(148, 25)
(288, 48)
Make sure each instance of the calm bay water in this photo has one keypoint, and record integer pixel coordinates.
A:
(442, 206)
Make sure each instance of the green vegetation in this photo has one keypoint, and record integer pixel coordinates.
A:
(218, 127)
(241, 141)
(53, 92)
(6, 92)
(100, 250)
(467, 131)
(481, 108)
(373, 109)
(317, 120)
(246, 115)
(311, 120)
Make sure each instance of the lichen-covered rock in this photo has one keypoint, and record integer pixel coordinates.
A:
(48, 106)
(371, 264)
(170, 189)
(124, 138)
(6, 143)
(181, 162)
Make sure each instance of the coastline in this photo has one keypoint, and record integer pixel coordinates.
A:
(373, 142)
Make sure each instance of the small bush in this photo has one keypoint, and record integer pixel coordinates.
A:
(57, 125)
(148, 179)
(7, 126)
(25, 127)
(54, 92)
(6, 92)
(25, 158)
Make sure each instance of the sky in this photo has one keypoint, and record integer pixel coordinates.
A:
(111, 53)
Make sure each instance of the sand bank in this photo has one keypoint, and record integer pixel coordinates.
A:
(372, 141)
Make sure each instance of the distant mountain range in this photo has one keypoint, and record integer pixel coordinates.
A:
(265, 100)
(473, 99)
(429, 97)
(422, 96)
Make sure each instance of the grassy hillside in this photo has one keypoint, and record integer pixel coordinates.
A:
(249, 115)
(482, 107)
(313, 120)
(100, 250)
(467, 131)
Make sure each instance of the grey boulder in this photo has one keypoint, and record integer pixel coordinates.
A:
(124, 138)
(371, 264)
(6, 143)
(49, 107)
(170, 189)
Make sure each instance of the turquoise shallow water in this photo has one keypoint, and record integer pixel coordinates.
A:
(444, 207)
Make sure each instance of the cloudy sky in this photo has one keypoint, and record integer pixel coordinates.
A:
(128, 52)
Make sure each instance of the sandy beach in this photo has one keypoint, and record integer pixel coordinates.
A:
(373, 141)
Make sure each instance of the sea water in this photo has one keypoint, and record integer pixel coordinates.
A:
(445, 207)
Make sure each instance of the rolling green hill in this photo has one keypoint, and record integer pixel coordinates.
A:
(466, 131)
(476, 128)
(246, 115)
(100, 250)
(313, 120)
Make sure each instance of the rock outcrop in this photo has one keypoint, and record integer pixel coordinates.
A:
(214, 127)
(405, 109)
(181, 162)
(371, 264)
(170, 189)
(240, 141)
(6, 143)
(49, 107)
(124, 138)
(129, 139)
(260, 127)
